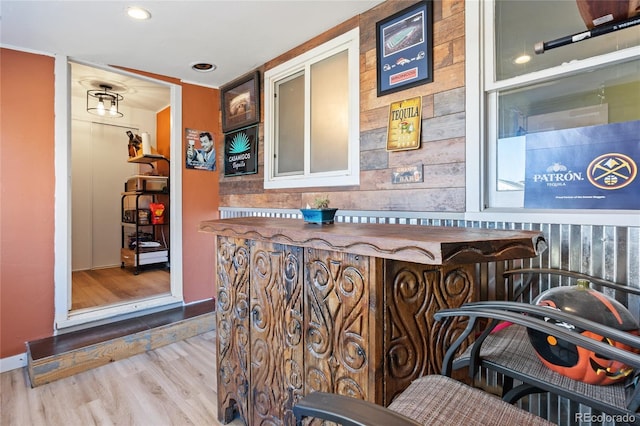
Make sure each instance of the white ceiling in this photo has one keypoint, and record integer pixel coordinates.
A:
(237, 36)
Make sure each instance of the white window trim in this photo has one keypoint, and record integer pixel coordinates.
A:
(351, 176)
(480, 161)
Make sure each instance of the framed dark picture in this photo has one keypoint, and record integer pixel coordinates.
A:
(240, 101)
(241, 152)
(404, 48)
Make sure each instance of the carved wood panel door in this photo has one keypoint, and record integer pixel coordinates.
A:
(232, 319)
(276, 333)
(414, 342)
(337, 323)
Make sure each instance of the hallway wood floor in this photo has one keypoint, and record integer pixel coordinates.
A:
(172, 385)
(107, 286)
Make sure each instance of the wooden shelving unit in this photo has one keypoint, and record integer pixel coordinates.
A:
(139, 256)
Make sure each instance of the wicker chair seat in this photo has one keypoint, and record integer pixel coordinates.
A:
(429, 400)
(440, 400)
(510, 352)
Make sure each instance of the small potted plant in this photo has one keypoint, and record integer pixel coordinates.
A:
(320, 213)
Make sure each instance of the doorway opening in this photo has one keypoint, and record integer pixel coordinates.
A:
(96, 285)
(100, 169)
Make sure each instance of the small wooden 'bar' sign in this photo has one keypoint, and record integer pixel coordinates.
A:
(407, 174)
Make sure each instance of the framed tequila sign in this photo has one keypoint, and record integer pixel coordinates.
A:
(405, 118)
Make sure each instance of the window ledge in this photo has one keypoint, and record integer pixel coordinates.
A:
(309, 182)
(569, 217)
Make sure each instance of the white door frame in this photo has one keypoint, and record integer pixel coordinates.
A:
(64, 319)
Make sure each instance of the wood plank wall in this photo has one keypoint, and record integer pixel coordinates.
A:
(442, 151)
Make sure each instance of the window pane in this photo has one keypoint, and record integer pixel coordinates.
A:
(520, 25)
(330, 114)
(602, 96)
(311, 125)
(290, 126)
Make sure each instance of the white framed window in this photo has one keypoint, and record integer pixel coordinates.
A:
(312, 118)
(591, 82)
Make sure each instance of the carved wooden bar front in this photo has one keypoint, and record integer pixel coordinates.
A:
(343, 308)
(232, 323)
(337, 323)
(276, 332)
(412, 341)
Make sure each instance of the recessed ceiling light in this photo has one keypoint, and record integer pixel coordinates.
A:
(523, 59)
(138, 13)
(203, 67)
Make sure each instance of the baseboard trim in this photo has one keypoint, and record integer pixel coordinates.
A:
(13, 362)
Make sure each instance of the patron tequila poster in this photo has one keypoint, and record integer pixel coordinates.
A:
(594, 167)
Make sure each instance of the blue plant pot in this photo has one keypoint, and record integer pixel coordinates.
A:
(319, 216)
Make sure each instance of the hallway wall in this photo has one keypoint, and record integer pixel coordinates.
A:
(26, 199)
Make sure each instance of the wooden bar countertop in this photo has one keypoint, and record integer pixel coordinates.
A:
(431, 245)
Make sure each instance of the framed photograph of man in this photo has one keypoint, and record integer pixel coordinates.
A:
(240, 102)
(200, 150)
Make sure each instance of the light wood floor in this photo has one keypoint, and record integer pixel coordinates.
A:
(109, 286)
(172, 385)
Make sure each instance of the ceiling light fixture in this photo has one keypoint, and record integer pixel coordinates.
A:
(138, 13)
(522, 59)
(203, 67)
(96, 102)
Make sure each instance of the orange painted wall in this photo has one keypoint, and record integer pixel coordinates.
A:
(26, 199)
(200, 198)
(200, 195)
(27, 172)
(163, 138)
